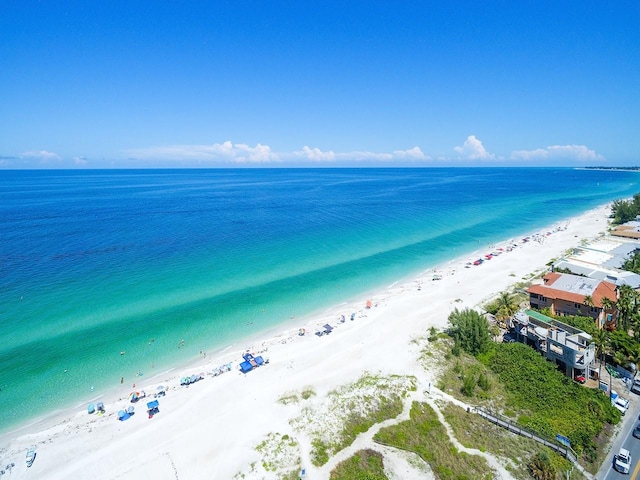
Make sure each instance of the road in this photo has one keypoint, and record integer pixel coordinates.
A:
(627, 440)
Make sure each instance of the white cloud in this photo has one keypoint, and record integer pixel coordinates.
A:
(472, 149)
(239, 153)
(226, 152)
(316, 154)
(414, 153)
(557, 152)
(42, 155)
(80, 161)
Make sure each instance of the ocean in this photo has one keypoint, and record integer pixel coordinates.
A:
(105, 275)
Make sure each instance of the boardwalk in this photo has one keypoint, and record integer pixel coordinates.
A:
(507, 424)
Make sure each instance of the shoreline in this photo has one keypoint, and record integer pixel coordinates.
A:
(422, 300)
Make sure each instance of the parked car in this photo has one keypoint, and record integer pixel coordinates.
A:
(636, 431)
(580, 379)
(636, 386)
(621, 404)
(508, 338)
(622, 462)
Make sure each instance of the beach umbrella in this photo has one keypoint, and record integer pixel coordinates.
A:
(134, 396)
(121, 414)
(369, 303)
(91, 408)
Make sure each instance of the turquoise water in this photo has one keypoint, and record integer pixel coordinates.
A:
(93, 263)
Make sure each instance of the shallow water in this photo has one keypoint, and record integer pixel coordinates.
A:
(104, 274)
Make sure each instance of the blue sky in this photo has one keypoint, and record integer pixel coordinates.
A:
(283, 83)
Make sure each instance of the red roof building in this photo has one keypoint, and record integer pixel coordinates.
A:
(566, 294)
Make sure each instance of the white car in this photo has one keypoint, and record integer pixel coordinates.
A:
(621, 404)
(622, 462)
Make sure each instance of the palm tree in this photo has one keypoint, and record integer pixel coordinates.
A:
(601, 340)
(506, 306)
(627, 305)
(607, 304)
(588, 301)
(541, 467)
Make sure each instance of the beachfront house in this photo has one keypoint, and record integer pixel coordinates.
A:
(571, 349)
(566, 294)
(602, 259)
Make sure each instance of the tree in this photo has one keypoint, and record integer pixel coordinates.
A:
(624, 210)
(506, 306)
(632, 264)
(601, 341)
(607, 304)
(588, 301)
(627, 306)
(541, 467)
(470, 330)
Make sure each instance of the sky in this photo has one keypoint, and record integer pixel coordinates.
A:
(319, 83)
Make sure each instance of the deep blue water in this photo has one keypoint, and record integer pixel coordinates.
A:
(93, 263)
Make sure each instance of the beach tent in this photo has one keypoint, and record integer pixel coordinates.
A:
(122, 415)
(246, 367)
(100, 407)
(259, 360)
(131, 410)
(327, 328)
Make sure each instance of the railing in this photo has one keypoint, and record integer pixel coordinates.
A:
(506, 423)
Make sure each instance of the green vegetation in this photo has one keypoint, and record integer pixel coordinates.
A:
(526, 387)
(426, 436)
(470, 331)
(623, 211)
(549, 402)
(307, 393)
(351, 410)
(473, 431)
(632, 264)
(364, 465)
(289, 397)
(505, 305)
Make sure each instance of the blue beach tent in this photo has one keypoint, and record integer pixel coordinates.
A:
(246, 367)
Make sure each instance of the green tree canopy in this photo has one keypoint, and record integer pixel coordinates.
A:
(623, 211)
(470, 330)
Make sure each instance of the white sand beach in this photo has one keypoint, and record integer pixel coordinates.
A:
(211, 429)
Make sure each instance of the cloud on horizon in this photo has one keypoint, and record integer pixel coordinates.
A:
(558, 152)
(42, 155)
(226, 152)
(472, 149)
(230, 154)
(238, 153)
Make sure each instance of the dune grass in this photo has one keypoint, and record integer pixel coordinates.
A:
(426, 436)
